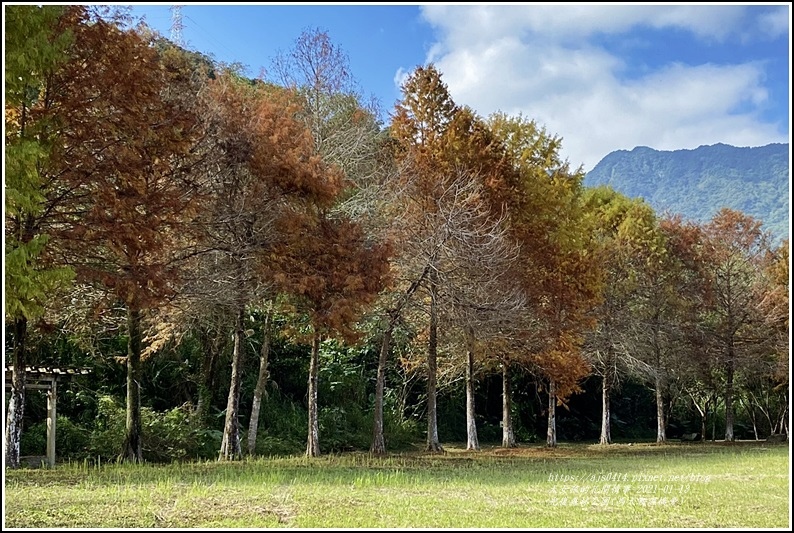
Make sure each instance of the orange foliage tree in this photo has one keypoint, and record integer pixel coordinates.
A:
(558, 272)
(452, 239)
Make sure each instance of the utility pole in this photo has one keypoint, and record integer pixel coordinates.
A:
(176, 25)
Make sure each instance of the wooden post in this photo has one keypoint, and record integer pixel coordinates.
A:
(52, 395)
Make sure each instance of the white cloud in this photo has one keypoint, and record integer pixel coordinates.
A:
(536, 60)
(466, 24)
(400, 77)
(776, 23)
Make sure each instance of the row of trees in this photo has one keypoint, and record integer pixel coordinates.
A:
(149, 183)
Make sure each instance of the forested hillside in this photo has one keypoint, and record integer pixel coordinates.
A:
(698, 183)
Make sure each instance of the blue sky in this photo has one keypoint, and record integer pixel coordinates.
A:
(602, 77)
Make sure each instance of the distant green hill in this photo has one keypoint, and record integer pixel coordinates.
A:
(698, 183)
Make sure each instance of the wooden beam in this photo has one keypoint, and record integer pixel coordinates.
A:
(39, 386)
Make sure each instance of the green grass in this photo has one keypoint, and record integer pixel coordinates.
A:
(711, 485)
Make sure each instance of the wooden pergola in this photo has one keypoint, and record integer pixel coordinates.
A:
(47, 378)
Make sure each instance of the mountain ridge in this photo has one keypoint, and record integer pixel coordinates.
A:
(697, 182)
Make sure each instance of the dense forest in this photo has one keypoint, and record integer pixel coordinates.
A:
(698, 183)
(261, 266)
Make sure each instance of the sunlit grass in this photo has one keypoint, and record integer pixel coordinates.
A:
(711, 485)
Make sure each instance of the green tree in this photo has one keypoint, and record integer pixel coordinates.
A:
(604, 345)
(34, 48)
(656, 284)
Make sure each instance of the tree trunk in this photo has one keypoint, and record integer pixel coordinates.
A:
(750, 408)
(472, 443)
(551, 431)
(313, 440)
(508, 436)
(378, 441)
(765, 407)
(16, 405)
(133, 446)
(703, 412)
(661, 434)
(729, 437)
(230, 444)
(210, 345)
(261, 383)
(606, 433)
(433, 444)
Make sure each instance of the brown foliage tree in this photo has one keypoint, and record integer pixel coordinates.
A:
(735, 248)
(332, 271)
(263, 173)
(120, 159)
(452, 238)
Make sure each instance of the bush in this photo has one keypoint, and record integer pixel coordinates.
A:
(270, 446)
(71, 440)
(107, 438)
(575, 429)
(283, 425)
(33, 440)
(523, 434)
(399, 434)
(344, 428)
(487, 431)
(172, 435)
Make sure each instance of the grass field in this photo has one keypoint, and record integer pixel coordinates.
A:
(710, 485)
